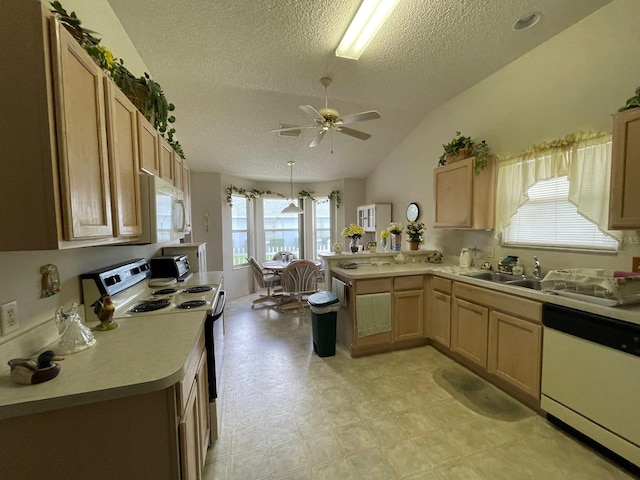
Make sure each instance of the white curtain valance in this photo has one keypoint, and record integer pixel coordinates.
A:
(585, 157)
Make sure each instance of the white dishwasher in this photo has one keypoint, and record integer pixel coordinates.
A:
(591, 377)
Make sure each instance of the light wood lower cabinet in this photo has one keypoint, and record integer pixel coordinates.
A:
(469, 330)
(439, 308)
(515, 347)
(161, 435)
(401, 297)
(499, 336)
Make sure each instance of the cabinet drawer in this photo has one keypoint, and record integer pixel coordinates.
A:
(413, 282)
(511, 304)
(441, 284)
(373, 286)
(190, 370)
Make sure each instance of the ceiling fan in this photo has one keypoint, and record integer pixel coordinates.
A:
(329, 119)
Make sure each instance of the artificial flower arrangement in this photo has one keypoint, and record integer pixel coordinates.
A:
(395, 228)
(353, 231)
(414, 231)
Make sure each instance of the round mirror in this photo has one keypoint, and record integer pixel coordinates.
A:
(413, 212)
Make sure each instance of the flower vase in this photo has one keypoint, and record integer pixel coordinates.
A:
(384, 245)
(396, 242)
(354, 245)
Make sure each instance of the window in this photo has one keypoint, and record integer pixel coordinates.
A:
(321, 226)
(548, 218)
(281, 230)
(239, 230)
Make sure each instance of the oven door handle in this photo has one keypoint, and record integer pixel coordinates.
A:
(222, 299)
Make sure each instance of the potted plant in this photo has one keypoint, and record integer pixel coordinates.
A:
(461, 147)
(414, 231)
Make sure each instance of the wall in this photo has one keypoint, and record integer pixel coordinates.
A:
(572, 82)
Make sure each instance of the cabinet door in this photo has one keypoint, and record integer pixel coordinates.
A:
(166, 160)
(148, 146)
(624, 207)
(453, 195)
(122, 132)
(204, 420)
(82, 141)
(514, 351)
(469, 330)
(362, 217)
(186, 189)
(190, 463)
(371, 219)
(373, 315)
(177, 171)
(440, 321)
(408, 317)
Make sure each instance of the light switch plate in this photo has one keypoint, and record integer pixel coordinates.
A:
(636, 264)
(8, 318)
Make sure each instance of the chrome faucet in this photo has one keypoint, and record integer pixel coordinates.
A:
(536, 269)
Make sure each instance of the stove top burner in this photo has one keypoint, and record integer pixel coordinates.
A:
(150, 306)
(198, 289)
(192, 304)
(165, 291)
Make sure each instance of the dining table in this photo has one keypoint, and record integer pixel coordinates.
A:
(278, 266)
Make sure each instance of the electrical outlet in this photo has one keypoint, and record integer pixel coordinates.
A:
(8, 318)
(491, 252)
(636, 264)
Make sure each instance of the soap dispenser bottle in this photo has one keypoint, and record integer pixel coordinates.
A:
(517, 269)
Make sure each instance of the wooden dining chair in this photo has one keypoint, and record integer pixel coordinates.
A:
(298, 281)
(265, 279)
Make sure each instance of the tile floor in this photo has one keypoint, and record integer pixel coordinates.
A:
(289, 414)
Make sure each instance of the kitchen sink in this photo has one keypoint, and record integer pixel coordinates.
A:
(491, 276)
(531, 283)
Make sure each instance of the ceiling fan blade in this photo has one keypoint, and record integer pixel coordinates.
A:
(360, 117)
(318, 138)
(289, 129)
(353, 133)
(311, 111)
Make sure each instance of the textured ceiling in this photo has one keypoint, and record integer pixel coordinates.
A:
(237, 69)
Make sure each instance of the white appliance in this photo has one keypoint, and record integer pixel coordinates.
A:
(591, 377)
(195, 252)
(163, 210)
(465, 258)
(134, 293)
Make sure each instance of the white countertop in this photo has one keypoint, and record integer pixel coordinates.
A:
(628, 313)
(144, 354)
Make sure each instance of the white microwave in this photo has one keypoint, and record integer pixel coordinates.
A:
(163, 210)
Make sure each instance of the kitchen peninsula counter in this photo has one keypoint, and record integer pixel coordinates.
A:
(628, 313)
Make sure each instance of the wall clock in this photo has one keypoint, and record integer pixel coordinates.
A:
(413, 212)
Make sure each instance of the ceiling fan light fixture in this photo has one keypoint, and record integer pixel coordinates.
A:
(292, 207)
(364, 26)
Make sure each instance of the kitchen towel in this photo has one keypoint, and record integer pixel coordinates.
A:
(373, 313)
(338, 289)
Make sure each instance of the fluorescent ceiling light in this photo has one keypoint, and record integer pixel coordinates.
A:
(364, 26)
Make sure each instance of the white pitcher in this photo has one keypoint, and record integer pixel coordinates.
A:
(465, 258)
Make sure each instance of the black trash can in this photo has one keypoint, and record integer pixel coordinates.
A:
(324, 307)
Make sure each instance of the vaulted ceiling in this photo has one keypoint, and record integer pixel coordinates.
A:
(236, 69)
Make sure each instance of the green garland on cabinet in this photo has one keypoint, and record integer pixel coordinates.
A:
(252, 194)
(144, 92)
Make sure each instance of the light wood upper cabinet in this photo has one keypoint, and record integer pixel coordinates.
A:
(123, 160)
(177, 171)
(186, 189)
(148, 146)
(463, 199)
(624, 206)
(82, 140)
(167, 170)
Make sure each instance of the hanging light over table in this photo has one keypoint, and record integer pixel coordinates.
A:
(292, 207)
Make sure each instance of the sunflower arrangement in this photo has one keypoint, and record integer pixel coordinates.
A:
(353, 231)
(395, 228)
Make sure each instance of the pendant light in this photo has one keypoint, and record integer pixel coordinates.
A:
(292, 208)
